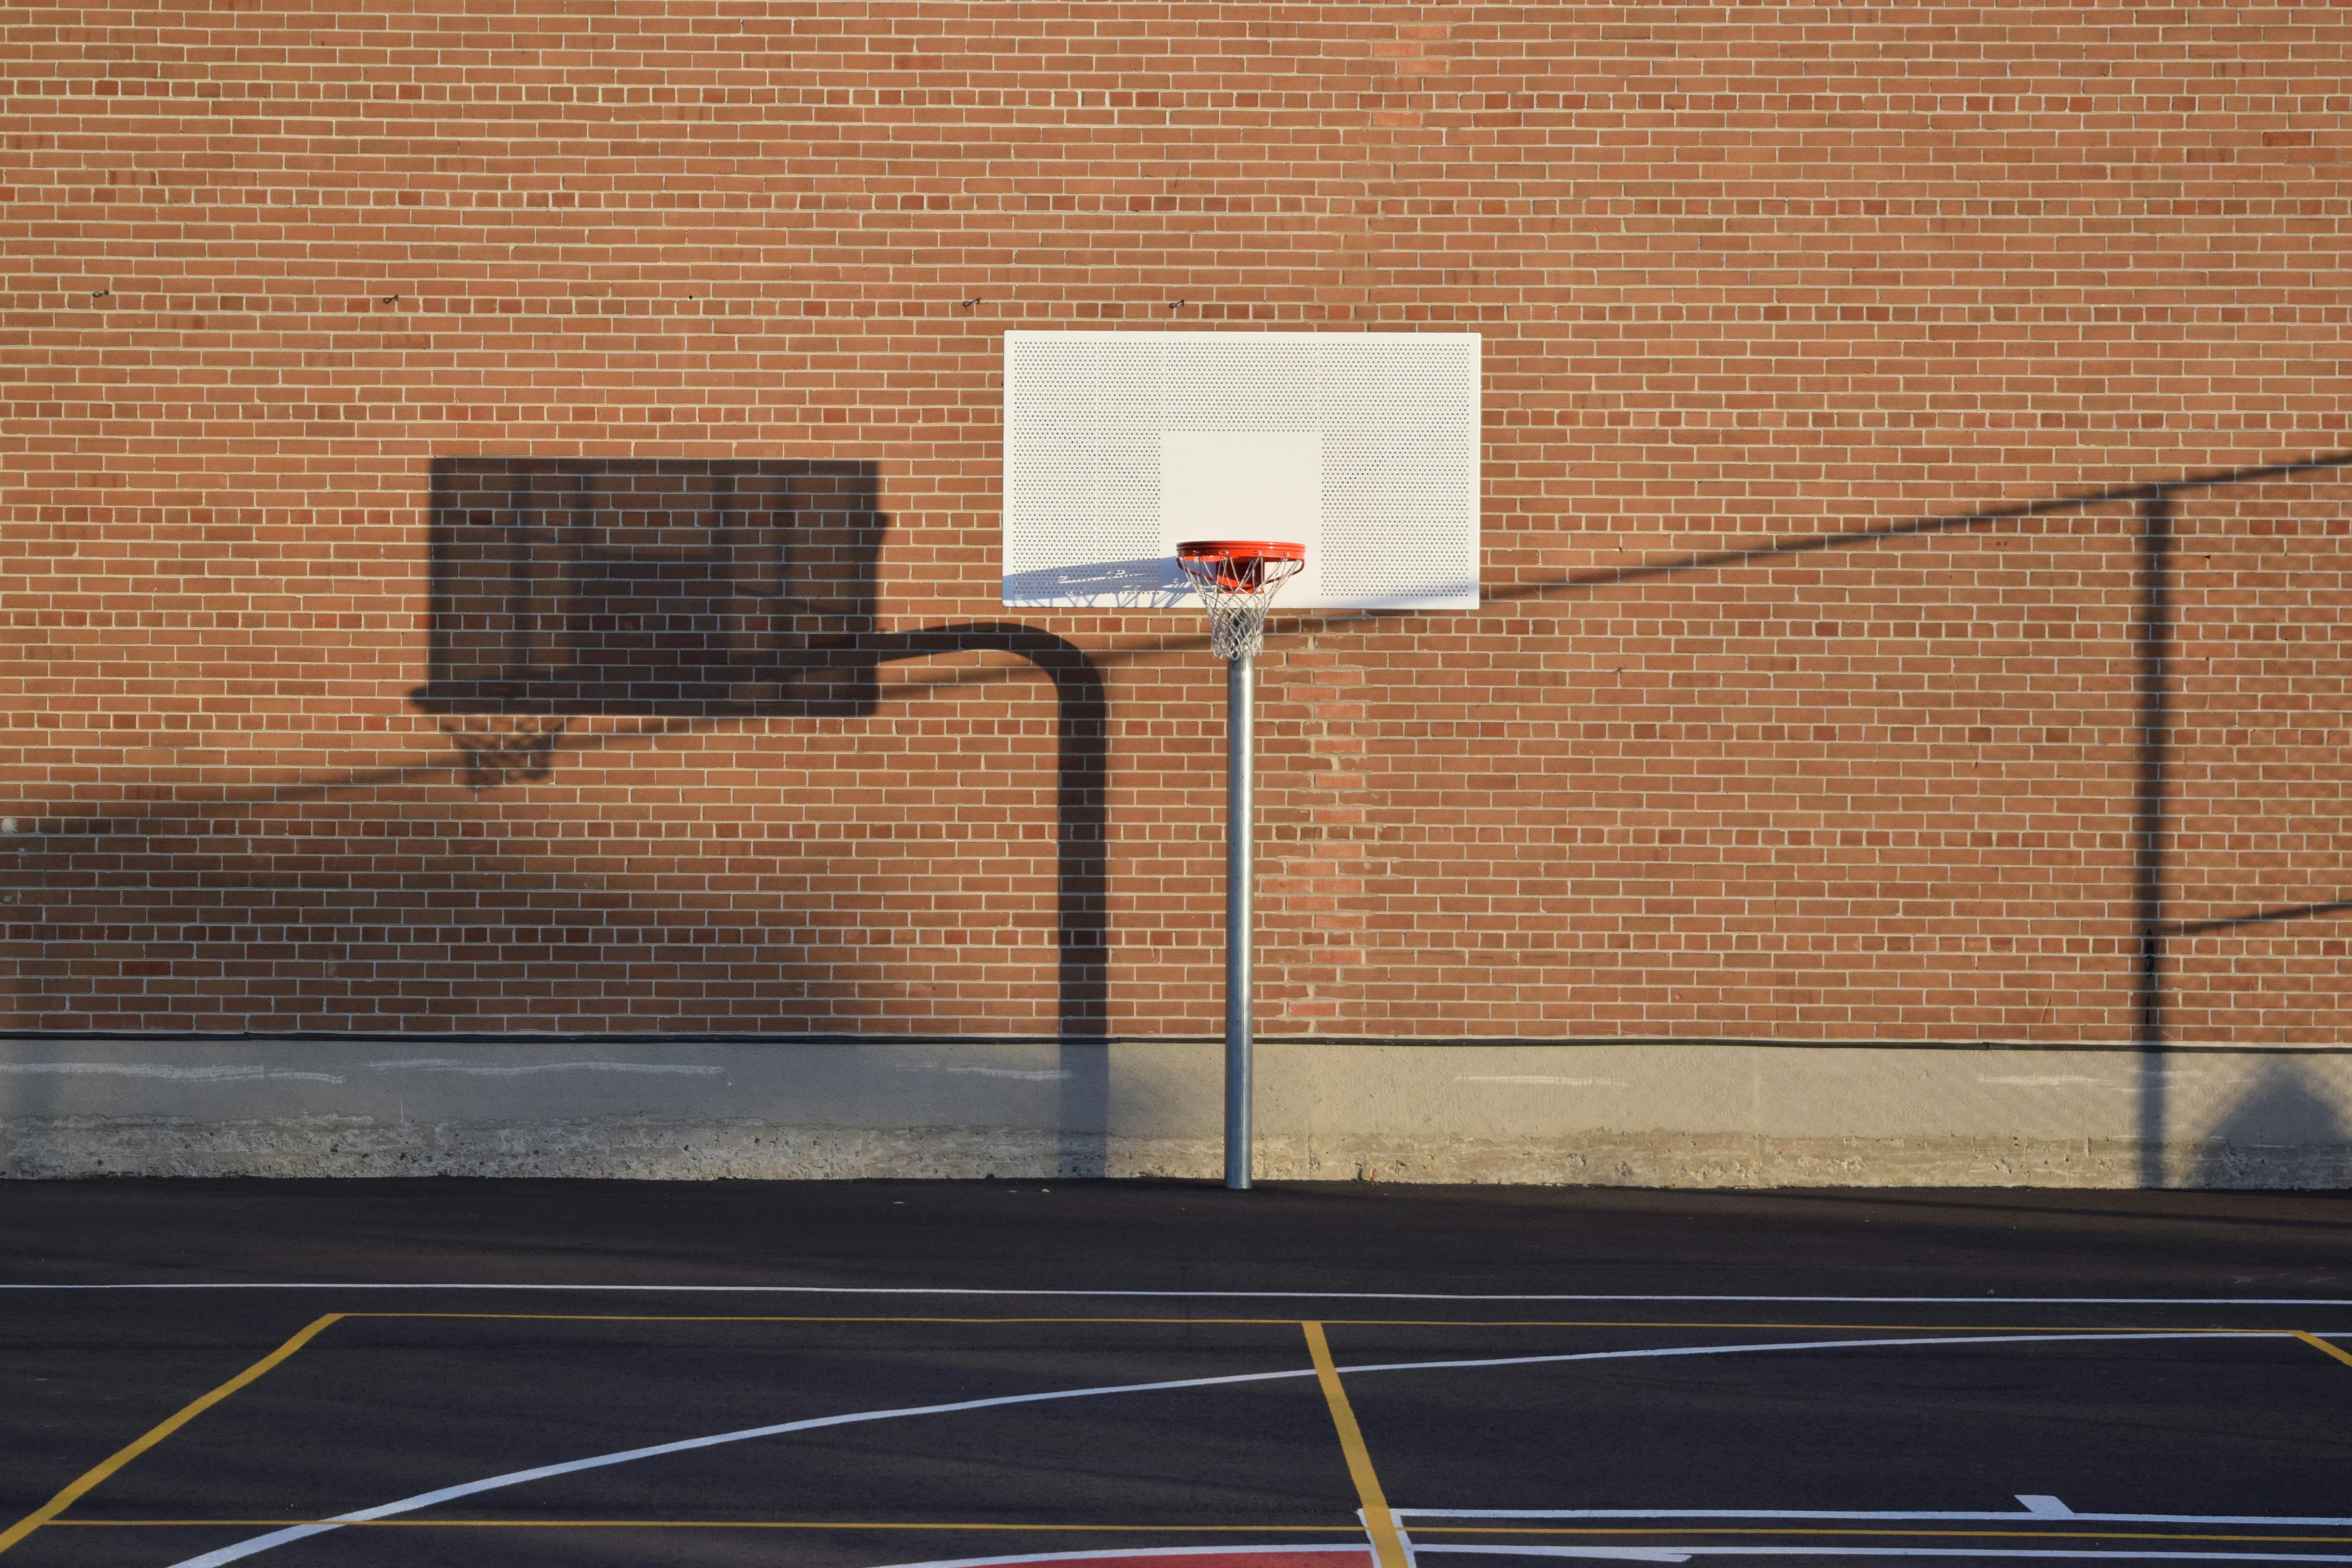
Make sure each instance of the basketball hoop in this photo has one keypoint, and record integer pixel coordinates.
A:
(1236, 579)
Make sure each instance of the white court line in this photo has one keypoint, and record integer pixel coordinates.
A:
(1685, 1554)
(1612, 1553)
(1617, 1553)
(2010, 1518)
(1636, 1555)
(1985, 1300)
(259, 1543)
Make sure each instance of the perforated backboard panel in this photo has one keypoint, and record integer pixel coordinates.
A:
(1363, 446)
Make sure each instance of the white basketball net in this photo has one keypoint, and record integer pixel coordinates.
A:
(1237, 590)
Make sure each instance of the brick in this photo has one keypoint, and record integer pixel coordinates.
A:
(1810, 699)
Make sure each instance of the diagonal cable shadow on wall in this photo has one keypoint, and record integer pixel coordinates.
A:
(2154, 636)
(689, 648)
(797, 677)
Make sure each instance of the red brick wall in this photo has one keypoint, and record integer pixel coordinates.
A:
(1750, 276)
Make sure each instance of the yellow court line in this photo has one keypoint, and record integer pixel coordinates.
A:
(1378, 1521)
(1343, 1322)
(2323, 1347)
(80, 1485)
(770, 1318)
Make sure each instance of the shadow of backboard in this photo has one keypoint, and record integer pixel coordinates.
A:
(675, 586)
(684, 588)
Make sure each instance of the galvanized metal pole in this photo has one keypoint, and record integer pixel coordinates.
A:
(1241, 742)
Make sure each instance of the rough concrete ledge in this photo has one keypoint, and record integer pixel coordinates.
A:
(1651, 1114)
(641, 1149)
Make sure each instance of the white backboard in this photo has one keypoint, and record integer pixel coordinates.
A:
(1363, 447)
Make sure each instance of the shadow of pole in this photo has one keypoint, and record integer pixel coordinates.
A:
(1082, 916)
(2153, 677)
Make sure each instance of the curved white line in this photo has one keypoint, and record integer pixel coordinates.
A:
(259, 1543)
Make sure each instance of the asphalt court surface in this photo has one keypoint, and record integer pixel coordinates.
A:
(825, 1379)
